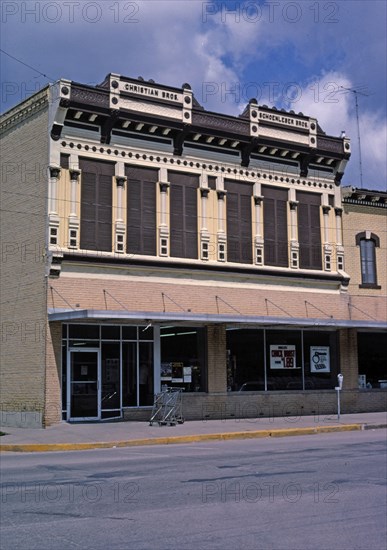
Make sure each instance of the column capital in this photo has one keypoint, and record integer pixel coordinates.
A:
(338, 211)
(121, 180)
(293, 205)
(204, 191)
(221, 194)
(74, 174)
(258, 200)
(54, 171)
(326, 208)
(164, 185)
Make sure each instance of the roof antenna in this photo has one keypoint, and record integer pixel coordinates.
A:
(356, 93)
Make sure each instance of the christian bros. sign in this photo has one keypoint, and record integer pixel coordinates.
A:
(150, 91)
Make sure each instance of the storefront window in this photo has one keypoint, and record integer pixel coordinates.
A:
(320, 360)
(245, 360)
(183, 353)
(295, 360)
(111, 379)
(284, 360)
(372, 362)
(129, 374)
(125, 354)
(145, 375)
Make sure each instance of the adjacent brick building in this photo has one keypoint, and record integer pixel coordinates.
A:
(147, 241)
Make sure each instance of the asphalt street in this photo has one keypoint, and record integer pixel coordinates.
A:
(326, 491)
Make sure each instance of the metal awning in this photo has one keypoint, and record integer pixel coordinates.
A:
(71, 315)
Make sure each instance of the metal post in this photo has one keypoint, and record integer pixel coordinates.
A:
(338, 388)
(338, 403)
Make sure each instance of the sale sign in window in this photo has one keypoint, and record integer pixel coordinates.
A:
(283, 357)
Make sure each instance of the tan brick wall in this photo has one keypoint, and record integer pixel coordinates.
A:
(216, 358)
(53, 395)
(23, 284)
(348, 358)
(357, 219)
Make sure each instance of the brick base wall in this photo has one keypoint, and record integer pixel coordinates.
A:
(293, 404)
(53, 393)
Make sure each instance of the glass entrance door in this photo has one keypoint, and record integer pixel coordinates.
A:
(84, 390)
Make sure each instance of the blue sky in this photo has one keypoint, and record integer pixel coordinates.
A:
(294, 55)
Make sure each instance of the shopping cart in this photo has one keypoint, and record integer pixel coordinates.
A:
(167, 407)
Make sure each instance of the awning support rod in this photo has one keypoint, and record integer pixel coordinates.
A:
(60, 296)
(227, 304)
(361, 311)
(173, 301)
(115, 299)
(275, 305)
(318, 309)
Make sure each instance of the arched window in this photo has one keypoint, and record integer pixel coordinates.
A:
(368, 242)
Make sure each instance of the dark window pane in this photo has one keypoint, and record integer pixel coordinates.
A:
(309, 230)
(64, 161)
(183, 214)
(145, 333)
(129, 333)
(141, 210)
(96, 204)
(275, 226)
(183, 357)
(239, 221)
(245, 360)
(110, 333)
(368, 261)
(85, 332)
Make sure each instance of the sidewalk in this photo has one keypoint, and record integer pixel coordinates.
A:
(71, 437)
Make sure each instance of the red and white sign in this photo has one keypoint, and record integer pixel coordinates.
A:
(283, 357)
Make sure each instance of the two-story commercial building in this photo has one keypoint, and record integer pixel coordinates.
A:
(147, 241)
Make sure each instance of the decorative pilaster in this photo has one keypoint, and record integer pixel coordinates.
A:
(294, 244)
(163, 226)
(73, 222)
(204, 234)
(327, 246)
(120, 228)
(258, 239)
(339, 239)
(54, 175)
(53, 216)
(221, 234)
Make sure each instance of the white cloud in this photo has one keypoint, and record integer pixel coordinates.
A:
(335, 111)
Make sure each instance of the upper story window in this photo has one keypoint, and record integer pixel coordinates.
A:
(96, 204)
(239, 223)
(141, 210)
(275, 226)
(368, 242)
(309, 230)
(183, 214)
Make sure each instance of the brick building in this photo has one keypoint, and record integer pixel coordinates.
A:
(147, 241)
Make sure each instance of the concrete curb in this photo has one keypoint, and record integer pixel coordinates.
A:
(49, 447)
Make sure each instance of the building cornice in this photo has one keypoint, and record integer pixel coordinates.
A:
(24, 110)
(148, 109)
